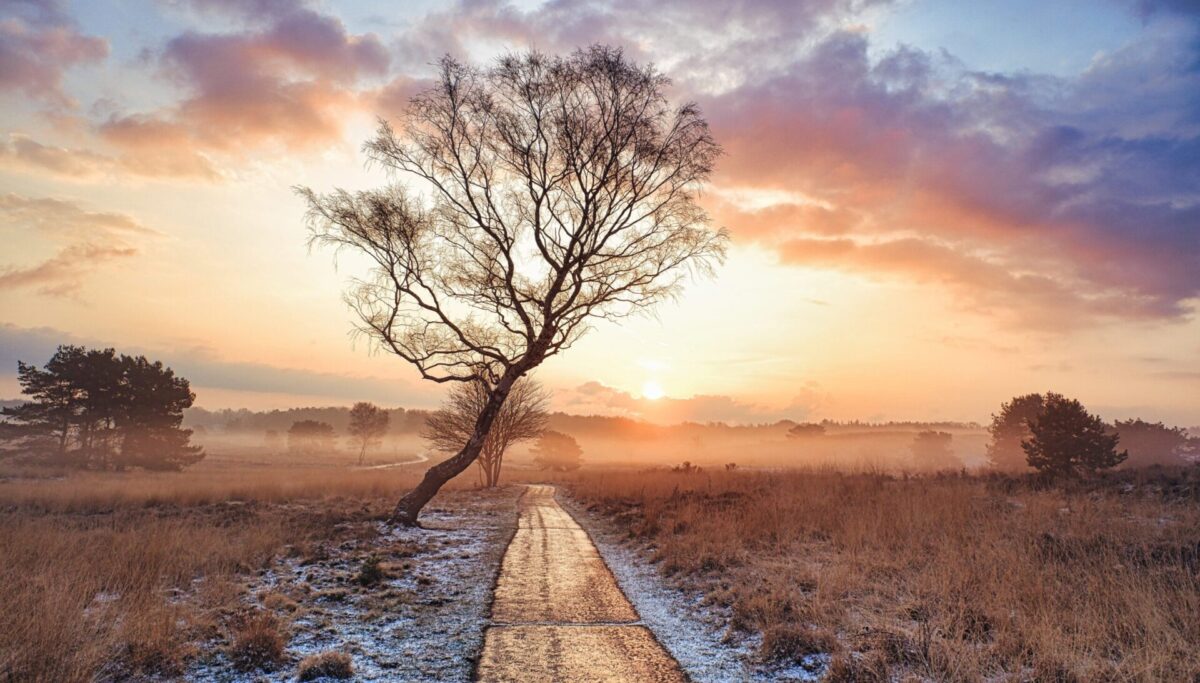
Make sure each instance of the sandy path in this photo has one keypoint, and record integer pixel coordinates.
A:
(558, 615)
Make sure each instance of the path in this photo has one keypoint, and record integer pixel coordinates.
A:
(558, 614)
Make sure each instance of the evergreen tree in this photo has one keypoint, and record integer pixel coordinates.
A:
(149, 417)
(1067, 440)
(92, 408)
(1009, 428)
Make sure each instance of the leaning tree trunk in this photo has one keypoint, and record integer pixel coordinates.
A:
(410, 505)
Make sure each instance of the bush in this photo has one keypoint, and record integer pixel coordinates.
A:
(326, 665)
(258, 643)
(371, 572)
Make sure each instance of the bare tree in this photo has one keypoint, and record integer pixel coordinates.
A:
(522, 417)
(368, 424)
(550, 191)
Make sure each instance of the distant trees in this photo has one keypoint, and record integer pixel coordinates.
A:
(1156, 444)
(931, 451)
(806, 430)
(94, 409)
(368, 424)
(558, 452)
(1067, 440)
(1009, 428)
(310, 436)
(522, 417)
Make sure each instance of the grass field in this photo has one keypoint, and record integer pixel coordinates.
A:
(958, 578)
(949, 578)
(106, 576)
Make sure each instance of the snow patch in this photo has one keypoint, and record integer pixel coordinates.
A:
(425, 622)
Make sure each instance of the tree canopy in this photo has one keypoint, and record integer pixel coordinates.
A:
(1153, 443)
(1009, 428)
(545, 192)
(1067, 440)
(368, 424)
(310, 436)
(931, 451)
(558, 452)
(92, 408)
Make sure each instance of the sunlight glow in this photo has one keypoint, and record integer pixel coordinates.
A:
(652, 390)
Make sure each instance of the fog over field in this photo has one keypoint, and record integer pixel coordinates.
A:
(634, 341)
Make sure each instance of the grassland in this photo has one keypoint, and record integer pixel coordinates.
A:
(108, 576)
(948, 578)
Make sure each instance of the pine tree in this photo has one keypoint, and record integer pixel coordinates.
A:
(1067, 440)
(1009, 428)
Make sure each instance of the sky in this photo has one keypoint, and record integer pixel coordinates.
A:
(933, 205)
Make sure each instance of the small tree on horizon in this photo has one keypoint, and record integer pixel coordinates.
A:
(1067, 440)
(368, 424)
(931, 452)
(557, 452)
(310, 436)
(521, 418)
(546, 192)
(806, 430)
(1009, 428)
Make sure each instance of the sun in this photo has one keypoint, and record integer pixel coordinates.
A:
(652, 390)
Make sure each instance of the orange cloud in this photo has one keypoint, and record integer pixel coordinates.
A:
(91, 239)
(287, 85)
(26, 154)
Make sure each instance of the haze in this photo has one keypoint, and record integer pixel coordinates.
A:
(930, 212)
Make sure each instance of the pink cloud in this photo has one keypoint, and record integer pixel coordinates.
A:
(288, 84)
(38, 44)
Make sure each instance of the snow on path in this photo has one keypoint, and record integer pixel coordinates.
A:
(691, 632)
(697, 635)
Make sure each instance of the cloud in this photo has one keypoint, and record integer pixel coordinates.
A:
(1018, 190)
(202, 369)
(595, 398)
(62, 274)
(38, 44)
(1075, 199)
(288, 83)
(87, 241)
(24, 153)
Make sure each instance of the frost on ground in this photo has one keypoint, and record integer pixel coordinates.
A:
(421, 620)
(696, 634)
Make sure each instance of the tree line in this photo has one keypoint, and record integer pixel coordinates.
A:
(523, 417)
(1052, 434)
(95, 409)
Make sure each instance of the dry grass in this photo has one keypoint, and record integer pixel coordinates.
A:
(950, 578)
(326, 665)
(111, 576)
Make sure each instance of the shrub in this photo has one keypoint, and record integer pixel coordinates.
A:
(326, 665)
(258, 643)
(788, 642)
(371, 572)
